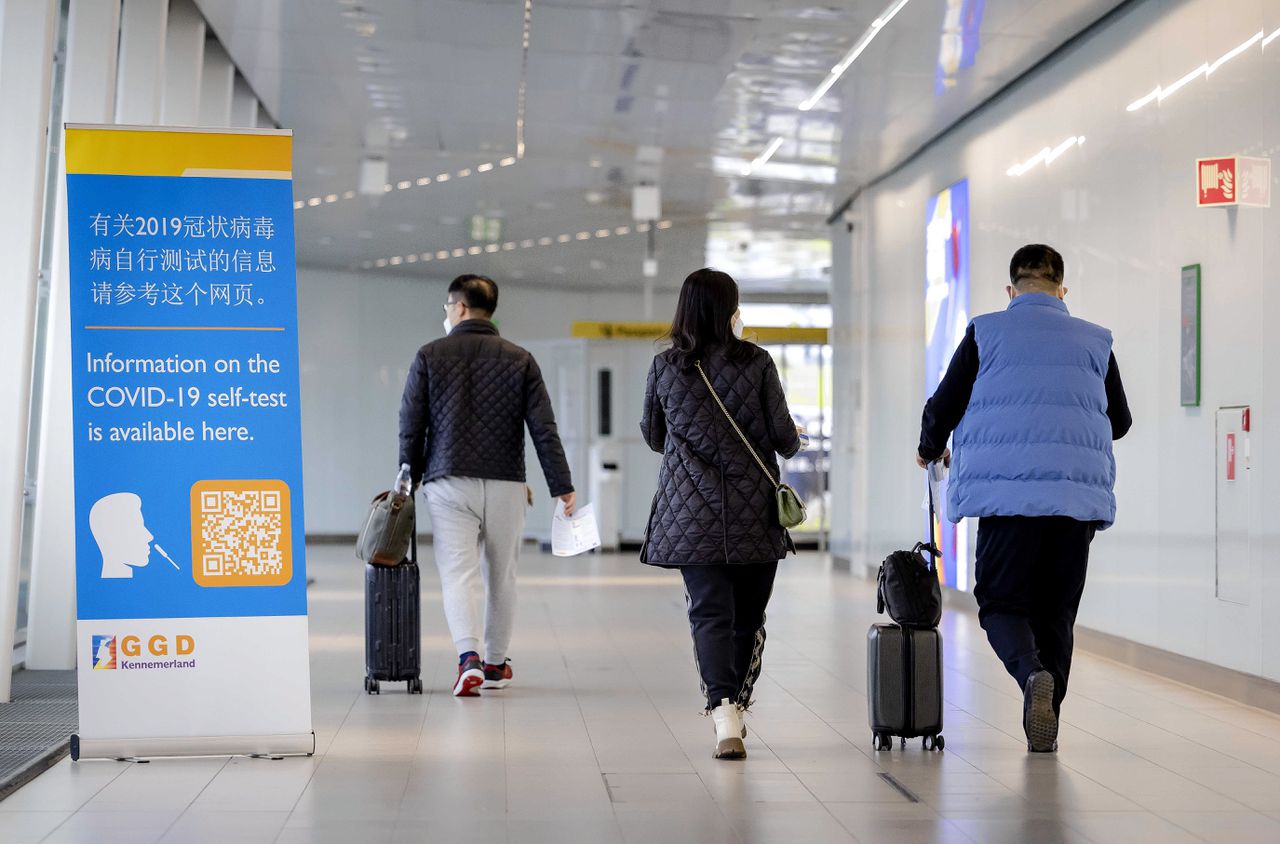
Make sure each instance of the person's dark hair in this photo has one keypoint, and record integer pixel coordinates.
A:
(479, 293)
(707, 303)
(1036, 267)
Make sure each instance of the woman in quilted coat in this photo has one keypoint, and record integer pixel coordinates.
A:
(714, 516)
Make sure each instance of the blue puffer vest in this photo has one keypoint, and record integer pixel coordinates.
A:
(1035, 439)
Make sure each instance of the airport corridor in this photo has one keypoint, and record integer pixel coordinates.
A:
(600, 739)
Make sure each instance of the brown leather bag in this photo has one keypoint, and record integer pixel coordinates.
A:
(388, 529)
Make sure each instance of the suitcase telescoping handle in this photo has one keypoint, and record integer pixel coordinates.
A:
(932, 547)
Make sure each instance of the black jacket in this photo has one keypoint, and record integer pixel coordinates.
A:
(713, 504)
(466, 402)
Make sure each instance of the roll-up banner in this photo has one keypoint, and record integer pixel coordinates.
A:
(190, 569)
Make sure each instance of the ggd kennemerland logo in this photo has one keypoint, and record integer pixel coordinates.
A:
(133, 653)
(104, 653)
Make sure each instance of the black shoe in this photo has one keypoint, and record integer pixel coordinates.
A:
(497, 676)
(1039, 721)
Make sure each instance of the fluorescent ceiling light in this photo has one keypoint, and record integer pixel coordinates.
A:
(850, 57)
(1257, 36)
(1045, 155)
(1206, 69)
(768, 153)
(445, 254)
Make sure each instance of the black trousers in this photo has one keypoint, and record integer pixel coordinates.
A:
(726, 616)
(1028, 581)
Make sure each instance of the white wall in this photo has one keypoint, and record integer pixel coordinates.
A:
(358, 333)
(1121, 208)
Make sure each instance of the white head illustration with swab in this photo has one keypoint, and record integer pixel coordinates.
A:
(122, 535)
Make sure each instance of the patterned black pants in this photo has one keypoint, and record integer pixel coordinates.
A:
(726, 615)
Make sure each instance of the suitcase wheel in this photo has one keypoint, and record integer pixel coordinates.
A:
(371, 686)
(934, 742)
(882, 741)
(415, 686)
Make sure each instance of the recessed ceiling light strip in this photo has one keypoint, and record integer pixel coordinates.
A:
(406, 184)
(512, 245)
(877, 26)
(524, 77)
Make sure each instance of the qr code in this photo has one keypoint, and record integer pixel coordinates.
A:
(241, 533)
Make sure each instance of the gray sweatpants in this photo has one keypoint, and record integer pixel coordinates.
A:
(477, 526)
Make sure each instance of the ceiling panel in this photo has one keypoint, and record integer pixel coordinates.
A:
(711, 82)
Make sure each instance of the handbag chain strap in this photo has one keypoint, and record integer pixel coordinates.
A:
(741, 435)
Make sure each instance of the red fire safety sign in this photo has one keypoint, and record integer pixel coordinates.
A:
(1233, 180)
(1231, 457)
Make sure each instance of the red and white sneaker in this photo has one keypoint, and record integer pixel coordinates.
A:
(497, 676)
(470, 677)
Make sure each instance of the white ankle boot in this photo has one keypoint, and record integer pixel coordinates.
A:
(729, 731)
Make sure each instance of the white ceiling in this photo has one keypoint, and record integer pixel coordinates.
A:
(711, 82)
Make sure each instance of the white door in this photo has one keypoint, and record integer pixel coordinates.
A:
(1232, 528)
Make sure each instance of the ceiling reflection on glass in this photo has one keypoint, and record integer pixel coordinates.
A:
(958, 48)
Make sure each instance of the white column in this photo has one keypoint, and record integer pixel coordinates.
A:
(93, 33)
(28, 29)
(244, 105)
(216, 85)
(183, 65)
(140, 80)
(264, 120)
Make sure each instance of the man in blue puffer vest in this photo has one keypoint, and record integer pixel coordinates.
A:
(1034, 398)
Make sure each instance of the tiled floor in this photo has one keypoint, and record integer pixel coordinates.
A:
(600, 740)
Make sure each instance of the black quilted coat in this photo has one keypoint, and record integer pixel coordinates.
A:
(466, 402)
(713, 504)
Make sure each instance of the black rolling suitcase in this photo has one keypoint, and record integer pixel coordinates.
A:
(904, 685)
(904, 660)
(393, 625)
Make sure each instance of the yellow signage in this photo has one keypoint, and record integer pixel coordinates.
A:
(159, 151)
(765, 335)
(620, 330)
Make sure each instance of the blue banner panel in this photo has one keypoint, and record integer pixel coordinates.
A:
(190, 564)
(188, 458)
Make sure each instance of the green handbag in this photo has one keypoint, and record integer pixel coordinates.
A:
(790, 509)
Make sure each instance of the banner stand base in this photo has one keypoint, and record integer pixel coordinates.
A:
(268, 747)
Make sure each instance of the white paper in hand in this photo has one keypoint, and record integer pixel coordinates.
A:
(572, 535)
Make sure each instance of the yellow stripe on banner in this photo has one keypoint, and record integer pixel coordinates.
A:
(167, 152)
(655, 330)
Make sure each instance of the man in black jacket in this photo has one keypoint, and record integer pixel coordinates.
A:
(466, 402)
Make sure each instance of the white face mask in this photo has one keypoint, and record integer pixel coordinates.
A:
(447, 326)
(737, 327)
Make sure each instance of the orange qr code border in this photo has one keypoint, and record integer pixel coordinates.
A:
(210, 550)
